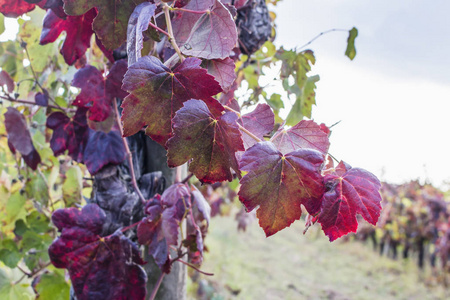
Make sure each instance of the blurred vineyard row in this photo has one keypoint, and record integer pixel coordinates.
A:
(414, 223)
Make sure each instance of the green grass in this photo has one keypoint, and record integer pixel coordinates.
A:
(289, 265)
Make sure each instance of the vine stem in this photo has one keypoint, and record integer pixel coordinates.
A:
(242, 128)
(195, 268)
(319, 35)
(129, 156)
(159, 29)
(11, 99)
(158, 284)
(29, 275)
(172, 41)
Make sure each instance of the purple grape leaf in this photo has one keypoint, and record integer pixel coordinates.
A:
(159, 230)
(19, 137)
(156, 93)
(107, 266)
(214, 35)
(199, 202)
(306, 134)
(209, 140)
(115, 78)
(174, 193)
(41, 99)
(69, 133)
(223, 71)
(279, 184)
(259, 122)
(183, 22)
(5, 79)
(182, 3)
(55, 5)
(138, 23)
(111, 22)
(109, 145)
(97, 93)
(78, 30)
(349, 191)
(16, 8)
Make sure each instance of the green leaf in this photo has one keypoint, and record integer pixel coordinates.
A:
(9, 253)
(73, 186)
(30, 33)
(351, 50)
(275, 102)
(53, 286)
(15, 208)
(36, 188)
(8, 290)
(2, 24)
(304, 102)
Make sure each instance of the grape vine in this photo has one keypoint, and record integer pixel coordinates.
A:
(174, 68)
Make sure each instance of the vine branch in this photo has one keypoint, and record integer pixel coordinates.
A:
(171, 37)
(319, 35)
(129, 156)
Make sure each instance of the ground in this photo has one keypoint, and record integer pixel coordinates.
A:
(290, 265)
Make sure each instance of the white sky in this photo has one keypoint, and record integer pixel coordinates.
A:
(393, 99)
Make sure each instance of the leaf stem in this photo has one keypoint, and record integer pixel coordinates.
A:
(159, 29)
(185, 180)
(195, 268)
(242, 128)
(129, 156)
(172, 41)
(319, 35)
(130, 226)
(201, 12)
(157, 285)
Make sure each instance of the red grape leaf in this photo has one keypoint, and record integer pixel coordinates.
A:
(19, 137)
(5, 79)
(259, 122)
(156, 93)
(306, 134)
(69, 133)
(213, 35)
(15, 8)
(97, 93)
(349, 191)
(111, 22)
(223, 71)
(103, 149)
(108, 266)
(138, 23)
(211, 141)
(279, 184)
(159, 230)
(78, 29)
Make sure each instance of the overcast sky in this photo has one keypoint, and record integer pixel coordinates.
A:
(393, 99)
